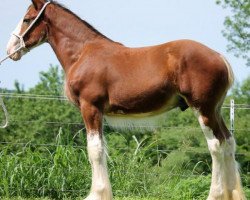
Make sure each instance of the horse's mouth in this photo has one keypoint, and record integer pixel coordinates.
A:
(17, 56)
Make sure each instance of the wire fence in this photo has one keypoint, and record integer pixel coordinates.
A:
(68, 123)
(29, 96)
(64, 98)
(43, 189)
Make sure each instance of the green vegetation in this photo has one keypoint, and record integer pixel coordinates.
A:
(237, 27)
(43, 154)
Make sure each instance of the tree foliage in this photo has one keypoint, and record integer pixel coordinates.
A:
(237, 27)
(39, 119)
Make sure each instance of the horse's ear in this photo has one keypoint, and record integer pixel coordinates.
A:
(38, 3)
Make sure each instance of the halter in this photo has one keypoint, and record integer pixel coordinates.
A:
(20, 37)
(22, 46)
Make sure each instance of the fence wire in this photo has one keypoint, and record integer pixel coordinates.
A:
(29, 96)
(64, 99)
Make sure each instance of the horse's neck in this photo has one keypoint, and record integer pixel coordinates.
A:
(67, 36)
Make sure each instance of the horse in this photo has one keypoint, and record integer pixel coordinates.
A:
(104, 77)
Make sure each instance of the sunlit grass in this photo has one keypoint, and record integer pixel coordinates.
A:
(63, 172)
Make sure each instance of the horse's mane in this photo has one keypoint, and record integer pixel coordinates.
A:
(80, 19)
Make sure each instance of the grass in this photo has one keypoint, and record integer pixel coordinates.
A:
(125, 198)
(63, 172)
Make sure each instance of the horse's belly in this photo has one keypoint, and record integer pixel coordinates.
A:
(142, 121)
(117, 111)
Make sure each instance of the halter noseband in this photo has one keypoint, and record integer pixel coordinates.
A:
(22, 46)
(20, 37)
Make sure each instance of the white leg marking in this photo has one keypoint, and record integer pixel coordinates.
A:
(225, 184)
(232, 175)
(216, 151)
(230, 163)
(101, 188)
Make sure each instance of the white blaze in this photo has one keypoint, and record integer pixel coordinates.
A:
(14, 42)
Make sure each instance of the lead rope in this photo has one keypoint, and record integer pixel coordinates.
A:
(20, 37)
(22, 45)
(5, 124)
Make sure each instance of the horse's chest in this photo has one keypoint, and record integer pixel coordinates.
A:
(71, 92)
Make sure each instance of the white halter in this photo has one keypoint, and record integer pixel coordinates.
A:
(22, 46)
(20, 37)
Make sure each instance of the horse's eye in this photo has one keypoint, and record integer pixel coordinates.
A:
(27, 21)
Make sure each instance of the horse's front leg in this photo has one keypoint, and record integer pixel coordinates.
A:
(100, 188)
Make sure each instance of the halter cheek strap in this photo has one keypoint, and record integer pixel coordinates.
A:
(22, 46)
(20, 37)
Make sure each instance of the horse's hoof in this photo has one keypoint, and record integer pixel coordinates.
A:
(98, 197)
(238, 195)
(93, 197)
(215, 198)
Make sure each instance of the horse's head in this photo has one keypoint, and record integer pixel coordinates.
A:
(30, 32)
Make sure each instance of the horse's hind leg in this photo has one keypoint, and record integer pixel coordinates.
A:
(225, 184)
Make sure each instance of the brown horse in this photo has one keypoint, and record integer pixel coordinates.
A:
(104, 77)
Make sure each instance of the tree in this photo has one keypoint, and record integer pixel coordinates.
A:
(40, 119)
(51, 82)
(237, 27)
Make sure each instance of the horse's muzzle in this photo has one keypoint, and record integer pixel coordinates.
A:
(17, 56)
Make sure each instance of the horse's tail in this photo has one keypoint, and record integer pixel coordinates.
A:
(230, 72)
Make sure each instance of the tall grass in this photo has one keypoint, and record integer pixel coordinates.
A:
(66, 173)
(63, 172)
